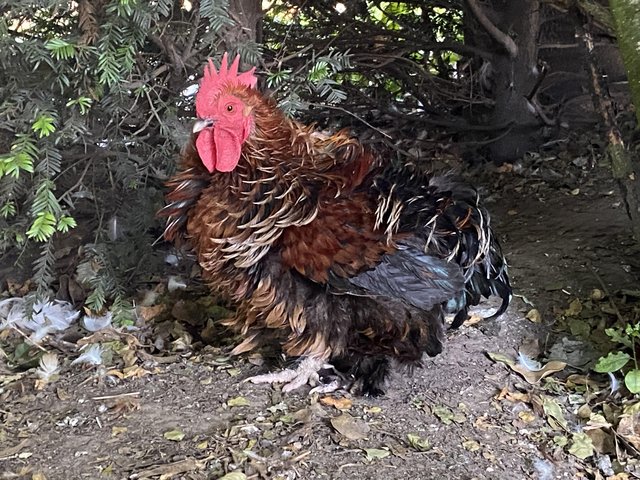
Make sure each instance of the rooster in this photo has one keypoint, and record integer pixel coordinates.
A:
(330, 252)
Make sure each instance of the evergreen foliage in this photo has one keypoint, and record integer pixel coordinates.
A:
(95, 108)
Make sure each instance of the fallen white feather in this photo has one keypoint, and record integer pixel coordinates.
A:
(92, 355)
(97, 322)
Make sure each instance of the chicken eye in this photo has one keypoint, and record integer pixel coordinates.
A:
(229, 108)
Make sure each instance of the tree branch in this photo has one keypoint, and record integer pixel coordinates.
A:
(494, 32)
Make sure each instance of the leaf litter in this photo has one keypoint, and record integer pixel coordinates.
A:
(564, 409)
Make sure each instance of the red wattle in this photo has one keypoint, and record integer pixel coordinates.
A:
(206, 149)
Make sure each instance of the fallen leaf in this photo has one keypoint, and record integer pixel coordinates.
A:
(575, 308)
(534, 315)
(373, 410)
(174, 435)
(341, 403)
(118, 430)
(629, 429)
(149, 313)
(584, 412)
(526, 416)
(597, 421)
(560, 440)
(349, 427)
(582, 446)
(602, 441)
(376, 453)
(500, 357)
(530, 375)
(471, 445)
(234, 476)
(553, 411)
(534, 376)
(445, 414)
(238, 402)
(418, 443)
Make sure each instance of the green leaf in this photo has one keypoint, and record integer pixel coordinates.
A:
(84, 103)
(618, 336)
(8, 209)
(632, 380)
(238, 402)
(174, 435)
(553, 411)
(43, 227)
(44, 126)
(65, 223)
(376, 453)
(60, 49)
(613, 362)
(445, 414)
(582, 446)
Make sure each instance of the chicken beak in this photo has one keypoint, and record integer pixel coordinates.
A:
(202, 124)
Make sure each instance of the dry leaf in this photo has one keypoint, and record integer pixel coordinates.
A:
(471, 445)
(118, 430)
(629, 429)
(238, 402)
(534, 376)
(174, 435)
(149, 313)
(351, 428)
(526, 416)
(602, 441)
(418, 443)
(531, 376)
(534, 315)
(341, 403)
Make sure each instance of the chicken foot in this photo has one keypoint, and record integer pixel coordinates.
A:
(293, 378)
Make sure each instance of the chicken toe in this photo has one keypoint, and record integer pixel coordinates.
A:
(306, 372)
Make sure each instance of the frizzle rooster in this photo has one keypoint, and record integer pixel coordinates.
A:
(329, 251)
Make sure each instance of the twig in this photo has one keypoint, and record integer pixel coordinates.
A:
(26, 337)
(608, 294)
(120, 395)
(333, 107)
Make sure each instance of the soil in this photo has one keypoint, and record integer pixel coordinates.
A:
(189, 416)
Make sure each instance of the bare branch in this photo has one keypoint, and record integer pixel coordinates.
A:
(498, 35)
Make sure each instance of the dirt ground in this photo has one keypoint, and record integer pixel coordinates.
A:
(190, 416)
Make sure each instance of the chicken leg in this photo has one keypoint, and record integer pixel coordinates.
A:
(294, 378)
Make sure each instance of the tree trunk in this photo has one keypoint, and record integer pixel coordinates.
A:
(247, 15)
(627, 19)
(512, 28)
(626, 14)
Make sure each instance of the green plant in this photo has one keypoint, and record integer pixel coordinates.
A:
(627, 337)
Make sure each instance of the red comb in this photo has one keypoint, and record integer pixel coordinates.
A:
(214, 81)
